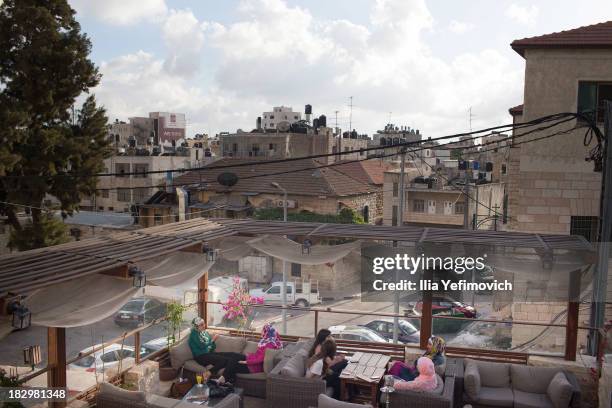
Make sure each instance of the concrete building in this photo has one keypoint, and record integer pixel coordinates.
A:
(392, 134)
(316, 189)
(438, 201)
(119, 193)
(163, 129)
(271, 120)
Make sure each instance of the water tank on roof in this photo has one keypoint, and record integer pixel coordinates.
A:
(315, 123)
(308, 109)
(323, 121)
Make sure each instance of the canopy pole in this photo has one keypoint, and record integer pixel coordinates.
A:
(203, 298)
(56, 359)
(573, 311)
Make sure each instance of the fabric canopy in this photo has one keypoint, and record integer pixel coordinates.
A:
(175, 270)
(291, 251)
(234, 248)
(79, 302)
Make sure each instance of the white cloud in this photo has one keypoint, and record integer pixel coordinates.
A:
(523, 14)
(460, 27)
(276, 54)
(121, 12)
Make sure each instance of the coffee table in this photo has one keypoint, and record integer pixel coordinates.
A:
(363, 375)
(195, 391)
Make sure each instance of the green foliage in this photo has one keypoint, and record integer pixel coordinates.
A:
(44, 68)
(174, 318)
(47, 232)
(7, 380)
(346, 216)
(456, 154)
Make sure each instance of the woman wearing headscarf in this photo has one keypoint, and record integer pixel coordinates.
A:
(436, 347)
(317, 365)
(269, 340)
(426, 379)
(203, 346)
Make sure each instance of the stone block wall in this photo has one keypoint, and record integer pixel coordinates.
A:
(605, 386)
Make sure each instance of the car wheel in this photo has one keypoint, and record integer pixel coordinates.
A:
(301, 303)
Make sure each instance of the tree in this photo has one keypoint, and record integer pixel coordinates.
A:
(45, 147)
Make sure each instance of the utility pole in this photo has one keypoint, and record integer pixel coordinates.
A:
(339, 141)
(400, 222)
(600, 279)
(350, 114)
(284, 287)
(466, 210)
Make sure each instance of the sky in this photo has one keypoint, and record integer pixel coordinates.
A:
(415, 63)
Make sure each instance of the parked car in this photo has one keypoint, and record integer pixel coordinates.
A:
(154, 345)
(407, 332)
(139, 311)
(302, 294)
(357, 333)
(103, 359)
(448, 306)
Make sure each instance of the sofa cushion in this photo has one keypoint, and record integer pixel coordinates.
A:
(531, 400)
(230, 344)
(155, 401)
(120, 393)
(531, 379)
(495, 397)
(252, 376)
(295, 367)
(471, 380)
(560, 391)
(326, 401)
(250, 347)
(269, 359)
(179, 353)
(494, 375)
(439, 386)
(195, 367)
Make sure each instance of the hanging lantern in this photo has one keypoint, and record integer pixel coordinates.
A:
(211, 253)
(22, 317)
(32, 356)
(306, 246)
(138, 276)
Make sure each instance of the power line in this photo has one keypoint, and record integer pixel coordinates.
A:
(533, 122)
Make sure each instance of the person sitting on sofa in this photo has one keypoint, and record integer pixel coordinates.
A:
(317, 365)
(337, 363)
(269, 340)
(436, 347)
(203, 346)
(425, 381)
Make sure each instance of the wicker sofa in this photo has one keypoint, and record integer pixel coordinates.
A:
(110, 396)
(489, 384)
(254, 384)
(441, 397)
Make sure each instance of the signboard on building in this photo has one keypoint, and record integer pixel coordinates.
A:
(171, 127)
(290, 203)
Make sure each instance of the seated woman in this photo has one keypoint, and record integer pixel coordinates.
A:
(317, 365)
(338, 362)
(435, 352)
(203, 346)
(269, 340)
(425, 381)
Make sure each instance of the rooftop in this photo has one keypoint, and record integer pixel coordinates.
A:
(591, 36)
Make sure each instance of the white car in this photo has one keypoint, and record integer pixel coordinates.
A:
(356, 333)
(108, 358)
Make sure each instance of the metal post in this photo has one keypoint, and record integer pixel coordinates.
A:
(284, 287)
(466, 210)
(400, 222)
(600, 280)
(137, 347)
(203, 298)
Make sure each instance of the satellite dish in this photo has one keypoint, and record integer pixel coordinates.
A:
(227, 179)
(283, 126)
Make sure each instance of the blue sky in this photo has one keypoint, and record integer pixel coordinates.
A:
(422, 63)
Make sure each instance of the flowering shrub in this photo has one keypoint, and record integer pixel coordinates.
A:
(237, 305)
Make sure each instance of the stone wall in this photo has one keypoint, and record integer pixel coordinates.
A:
(605, 386)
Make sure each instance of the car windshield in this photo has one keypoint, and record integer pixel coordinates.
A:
(134, 306)
(374, 337)
(458, 304)
(406, 327)
(85, 361)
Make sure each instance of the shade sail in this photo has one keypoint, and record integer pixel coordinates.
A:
(175, 270)
(234, 248)
(79, 302)
(291, 251)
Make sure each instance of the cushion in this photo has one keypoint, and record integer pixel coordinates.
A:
(441, 368)
(251, 347)
(494, 375)
(120, 393)
(155, 401)
(252, 376)
(195, 367)
(295, 367)
(560, 391)
(531, 400)
(471, 380)
(179, 353)
(496, 397)
(531, 379)
(269, 359)
(326, 401)
(230, 344)
(439, 386)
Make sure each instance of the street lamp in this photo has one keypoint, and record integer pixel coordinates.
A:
(22, 317)
(138, 276)
(284, 287)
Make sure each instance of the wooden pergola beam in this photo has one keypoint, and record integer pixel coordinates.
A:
(56, 360)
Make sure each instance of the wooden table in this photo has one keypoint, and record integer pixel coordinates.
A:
(360, 379)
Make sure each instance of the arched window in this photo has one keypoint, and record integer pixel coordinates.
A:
(366, 213)
(383, 141)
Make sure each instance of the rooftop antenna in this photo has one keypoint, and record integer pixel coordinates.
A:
(351, 114)
(390, 113)
(470, 116)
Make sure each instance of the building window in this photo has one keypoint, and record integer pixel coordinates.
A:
(141, 194)
(121, 169)
(366, 213)
(123, 195)
(272, 146)
(296, 270)
(295, 117)
(271, 124)
(141, 170)
(591, 97)
(271, 117)
(105, 194)
(157, 219)
(459, 207)
(503, 169)
(395, 189)
(585, 226)
(394, 215)
(418, 206)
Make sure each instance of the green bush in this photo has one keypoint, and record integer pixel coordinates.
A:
(346, 216)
